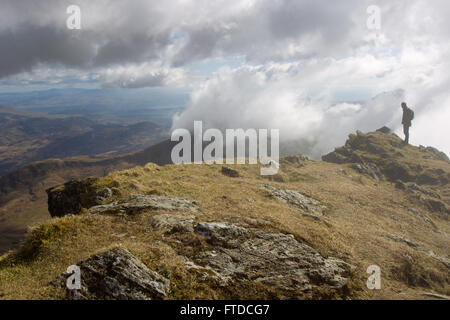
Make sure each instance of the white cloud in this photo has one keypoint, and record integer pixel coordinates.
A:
(275, 98)
(142, 75)
(299, 57)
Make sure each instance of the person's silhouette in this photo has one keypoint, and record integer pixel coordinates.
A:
(408, 116)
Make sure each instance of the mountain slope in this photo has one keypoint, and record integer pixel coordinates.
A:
(23, 201)
(348, 216)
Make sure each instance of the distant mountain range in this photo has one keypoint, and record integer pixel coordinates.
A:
(26, 137)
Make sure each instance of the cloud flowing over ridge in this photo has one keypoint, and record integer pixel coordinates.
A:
(269, 98)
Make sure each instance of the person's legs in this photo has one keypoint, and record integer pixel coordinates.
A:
(406, 132)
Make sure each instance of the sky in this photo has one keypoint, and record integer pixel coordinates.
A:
(316, 70)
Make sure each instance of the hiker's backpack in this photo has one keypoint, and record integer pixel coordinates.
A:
(410, 114)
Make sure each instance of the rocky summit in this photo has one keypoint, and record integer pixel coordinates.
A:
(212, 232)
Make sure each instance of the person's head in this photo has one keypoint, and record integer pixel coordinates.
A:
(403, 105)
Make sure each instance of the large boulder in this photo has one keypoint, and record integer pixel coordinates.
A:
(276, 260)
(74, 195)
(116, 274)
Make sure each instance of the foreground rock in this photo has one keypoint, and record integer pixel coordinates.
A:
(139, 202)
(74, 195)
(276, 260)
(117, 274)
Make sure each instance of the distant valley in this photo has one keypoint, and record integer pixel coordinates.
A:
(27, 136)
(105, 104)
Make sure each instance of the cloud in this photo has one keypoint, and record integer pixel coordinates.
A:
(134, 32)
(142, 75)
(274, 98)
(112, 33)
(300, 59)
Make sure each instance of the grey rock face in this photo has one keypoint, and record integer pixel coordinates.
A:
(429, 197)
(421, 215)
(221, 233)
(295, 199)
(417, 246)
(434, 153)
(413, 187)
(173, 223)
(274, 259)
(139, 202)
(117, 274)
(369, 169)
(308, 207)
(404, 240)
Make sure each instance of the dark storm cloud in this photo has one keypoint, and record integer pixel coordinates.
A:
(29, 45)
(119, 32)
(269, 29)
(35, 33)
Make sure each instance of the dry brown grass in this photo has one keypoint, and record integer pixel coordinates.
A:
(361, 212)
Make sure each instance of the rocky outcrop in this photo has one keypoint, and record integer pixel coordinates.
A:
(140, 202)
(243, 253)
(220, 233)
(116, 274)
(74, 195)
(379, 154)
(307, 206)
(433, 153)
(295, 199)
(431, 199)
(172, 223)
(417, 246)
(274, 259)
(369, 169)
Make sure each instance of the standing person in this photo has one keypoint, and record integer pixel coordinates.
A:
(408, 116)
